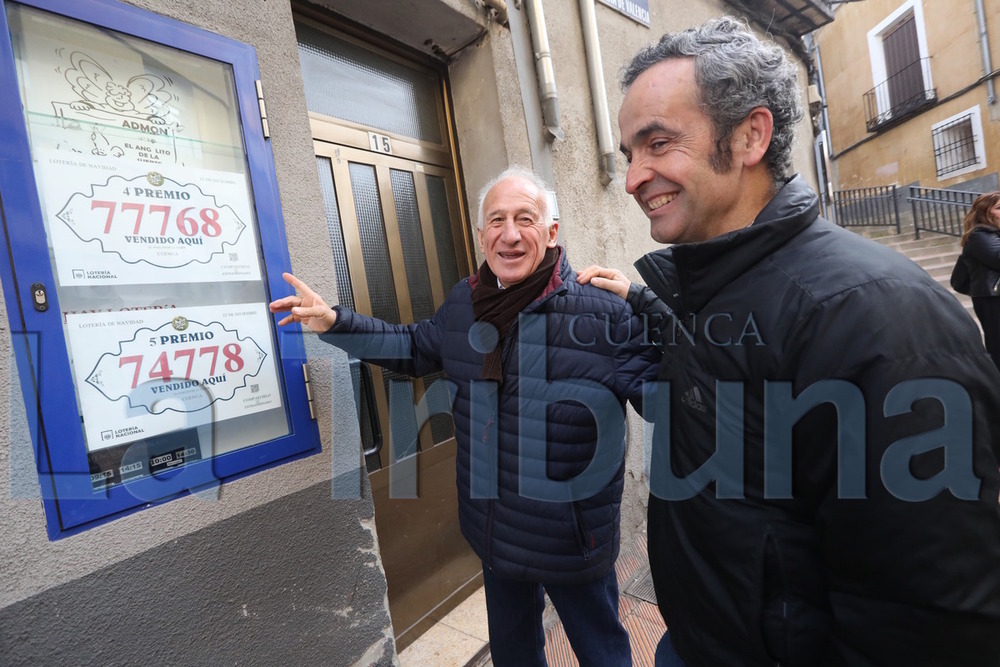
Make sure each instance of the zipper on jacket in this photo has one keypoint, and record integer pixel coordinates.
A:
(773, 581)
(489, 533)
(490, 503)
(508, 345)
(489, 508)
(581, 534)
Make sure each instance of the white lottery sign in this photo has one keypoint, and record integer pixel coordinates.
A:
(145, 373)
(135, 217)
(118, 222)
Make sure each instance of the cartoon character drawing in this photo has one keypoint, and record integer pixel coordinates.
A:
(144, 96)
(102, 146)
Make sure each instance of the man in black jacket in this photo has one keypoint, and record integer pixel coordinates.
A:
(824, 484)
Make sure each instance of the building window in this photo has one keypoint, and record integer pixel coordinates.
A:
(902, 63)
(900, 66)
(958, 144)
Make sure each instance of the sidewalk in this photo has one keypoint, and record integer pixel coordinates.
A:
(461, 639)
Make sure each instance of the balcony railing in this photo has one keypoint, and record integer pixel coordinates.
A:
(899, 96)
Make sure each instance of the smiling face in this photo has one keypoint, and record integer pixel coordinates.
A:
(688, 192)
(513, 236)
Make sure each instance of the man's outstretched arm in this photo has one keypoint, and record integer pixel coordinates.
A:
(412, 349)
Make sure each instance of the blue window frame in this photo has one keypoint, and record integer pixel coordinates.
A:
(144, 239)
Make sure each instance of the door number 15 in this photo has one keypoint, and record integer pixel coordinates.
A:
(379, 143)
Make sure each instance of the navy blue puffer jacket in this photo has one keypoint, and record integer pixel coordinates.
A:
(540, 457)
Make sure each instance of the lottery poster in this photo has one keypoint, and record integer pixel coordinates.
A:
(142, 374)
(112, 222)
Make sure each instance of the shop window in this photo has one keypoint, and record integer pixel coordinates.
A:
(141, 209)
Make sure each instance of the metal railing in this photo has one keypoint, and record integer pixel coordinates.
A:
(867, 207)
(899, 96)
(938, 210)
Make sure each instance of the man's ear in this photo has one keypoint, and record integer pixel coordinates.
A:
(553, 231)
(754, 136)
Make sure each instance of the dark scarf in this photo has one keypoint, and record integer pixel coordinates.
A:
(500, 307)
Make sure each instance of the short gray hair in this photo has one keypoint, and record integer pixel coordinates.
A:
(526, 174)
(736, 73)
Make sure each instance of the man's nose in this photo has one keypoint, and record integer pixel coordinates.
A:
(636, 176)
(510, 233)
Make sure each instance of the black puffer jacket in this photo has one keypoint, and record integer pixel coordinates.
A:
(857, 562)
(575, 346)
(981, 254)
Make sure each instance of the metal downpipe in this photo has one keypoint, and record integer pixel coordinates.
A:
(595, 72)
(823, 166)
(546, 75)
(813, 49)
(984, 44)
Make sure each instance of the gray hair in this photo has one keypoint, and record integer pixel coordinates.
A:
(526, 174)
(736, 73)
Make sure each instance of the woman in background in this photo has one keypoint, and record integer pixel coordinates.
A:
(981, 254)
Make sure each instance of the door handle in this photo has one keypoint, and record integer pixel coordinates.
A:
(368, 391)
(367, 409)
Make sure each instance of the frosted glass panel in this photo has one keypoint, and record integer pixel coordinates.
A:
(412, 240)
(344, 291)
(374, 247)
(415, 258)
(444, 239)
(347, 82)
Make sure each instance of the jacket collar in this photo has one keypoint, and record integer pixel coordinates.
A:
(686, 276)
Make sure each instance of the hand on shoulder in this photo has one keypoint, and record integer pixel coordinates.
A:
(611, 280)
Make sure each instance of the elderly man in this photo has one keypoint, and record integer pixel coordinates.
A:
(541, 367)
(824, 486)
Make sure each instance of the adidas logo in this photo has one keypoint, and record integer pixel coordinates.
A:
(692, 399)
